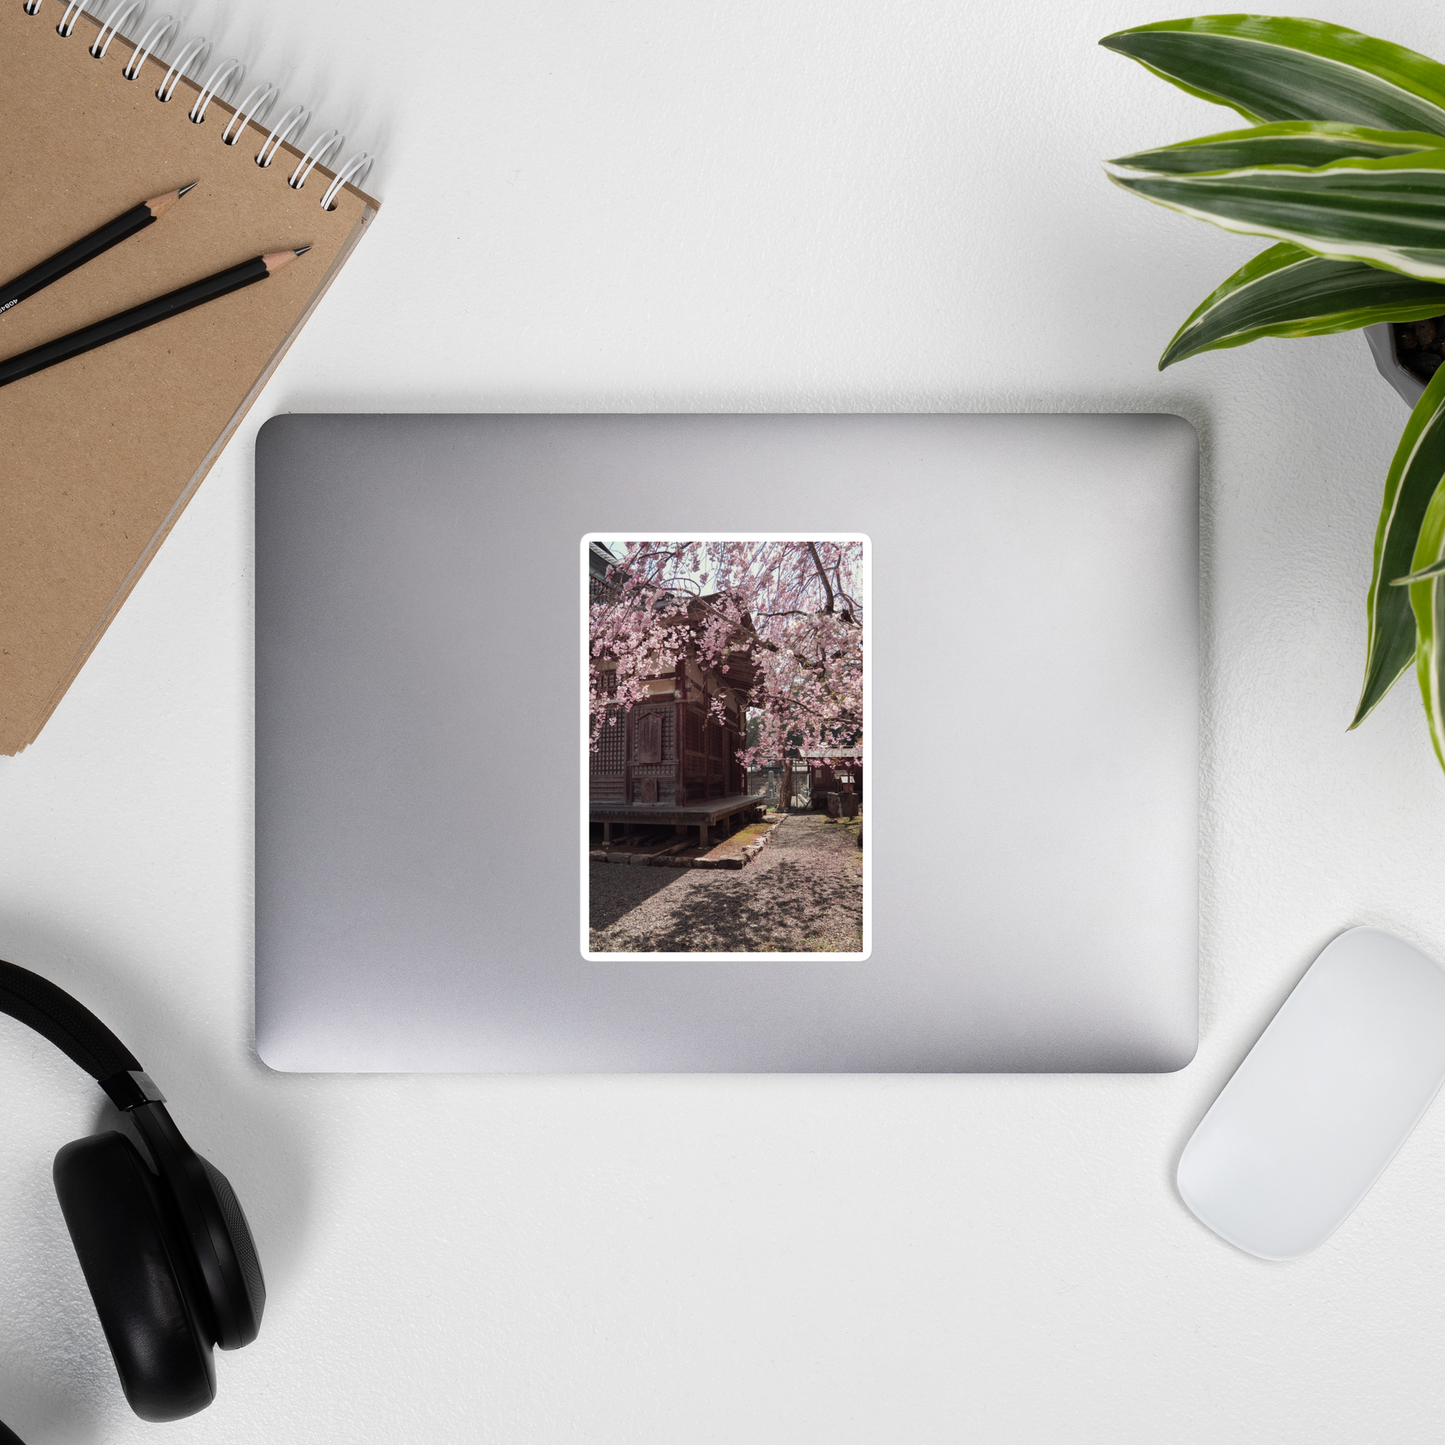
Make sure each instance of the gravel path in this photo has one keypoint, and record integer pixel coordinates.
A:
(803, 893)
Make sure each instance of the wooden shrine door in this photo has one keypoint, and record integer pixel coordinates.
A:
(647, 750)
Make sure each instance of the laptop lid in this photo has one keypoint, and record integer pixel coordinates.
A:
(1031, 792)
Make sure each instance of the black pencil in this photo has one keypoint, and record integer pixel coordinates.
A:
(146, 314)
(62, 263)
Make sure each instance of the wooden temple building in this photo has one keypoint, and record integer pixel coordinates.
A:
(669, 760)
(834, 770)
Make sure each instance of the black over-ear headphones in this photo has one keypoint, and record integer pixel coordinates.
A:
(163, 1243)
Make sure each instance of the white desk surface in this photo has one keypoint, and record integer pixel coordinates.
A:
(841, 205)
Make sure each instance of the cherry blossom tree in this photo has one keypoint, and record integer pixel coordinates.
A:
(794, 608)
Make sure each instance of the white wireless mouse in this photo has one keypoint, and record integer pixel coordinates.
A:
(1323, 1101)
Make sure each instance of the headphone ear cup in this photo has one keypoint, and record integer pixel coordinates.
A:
(245, 1310)
(133, 1259)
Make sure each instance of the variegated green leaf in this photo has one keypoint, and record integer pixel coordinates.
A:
(1288, 292)
(1286, 143)
(1427, 598)
(1273, 68)
(1386, 212)
(1414, 478)
(1435, 569)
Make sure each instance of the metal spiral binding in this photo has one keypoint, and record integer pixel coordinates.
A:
(156, 35)
(256, 106)
(316, 154)
(223, 78)
(294, 120)
(352, 170)
(227, 74)
(120, 12)
(193, 52)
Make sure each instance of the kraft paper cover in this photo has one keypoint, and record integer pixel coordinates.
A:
(99, 455)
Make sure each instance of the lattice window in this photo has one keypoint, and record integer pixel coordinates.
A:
(692, 730)
(600, 589)
(611, 742)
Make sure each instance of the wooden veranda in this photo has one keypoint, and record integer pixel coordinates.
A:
(701, 816)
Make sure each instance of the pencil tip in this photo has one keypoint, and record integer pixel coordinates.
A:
(159, 205)
(275, 260)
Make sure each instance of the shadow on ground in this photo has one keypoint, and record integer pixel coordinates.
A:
(615, 889)
(804, 894)
(785, 907)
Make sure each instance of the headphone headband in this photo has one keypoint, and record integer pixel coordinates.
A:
(76, 1032)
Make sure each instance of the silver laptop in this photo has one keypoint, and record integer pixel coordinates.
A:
(1030, 809)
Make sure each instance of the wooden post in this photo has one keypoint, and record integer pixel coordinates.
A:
(702, 835)
(679, 786)
(627, 759)
(606, 833)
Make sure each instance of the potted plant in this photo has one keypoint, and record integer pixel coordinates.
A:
(1343, 166)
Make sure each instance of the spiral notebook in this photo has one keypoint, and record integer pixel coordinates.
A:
(100, 454)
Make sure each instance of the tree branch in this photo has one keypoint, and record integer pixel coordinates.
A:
(822, 576)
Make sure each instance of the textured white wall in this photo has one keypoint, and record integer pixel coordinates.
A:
(703, 206)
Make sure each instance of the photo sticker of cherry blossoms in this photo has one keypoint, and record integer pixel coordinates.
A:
(725, 744)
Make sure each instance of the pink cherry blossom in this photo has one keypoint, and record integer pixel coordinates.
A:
(794, 608)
